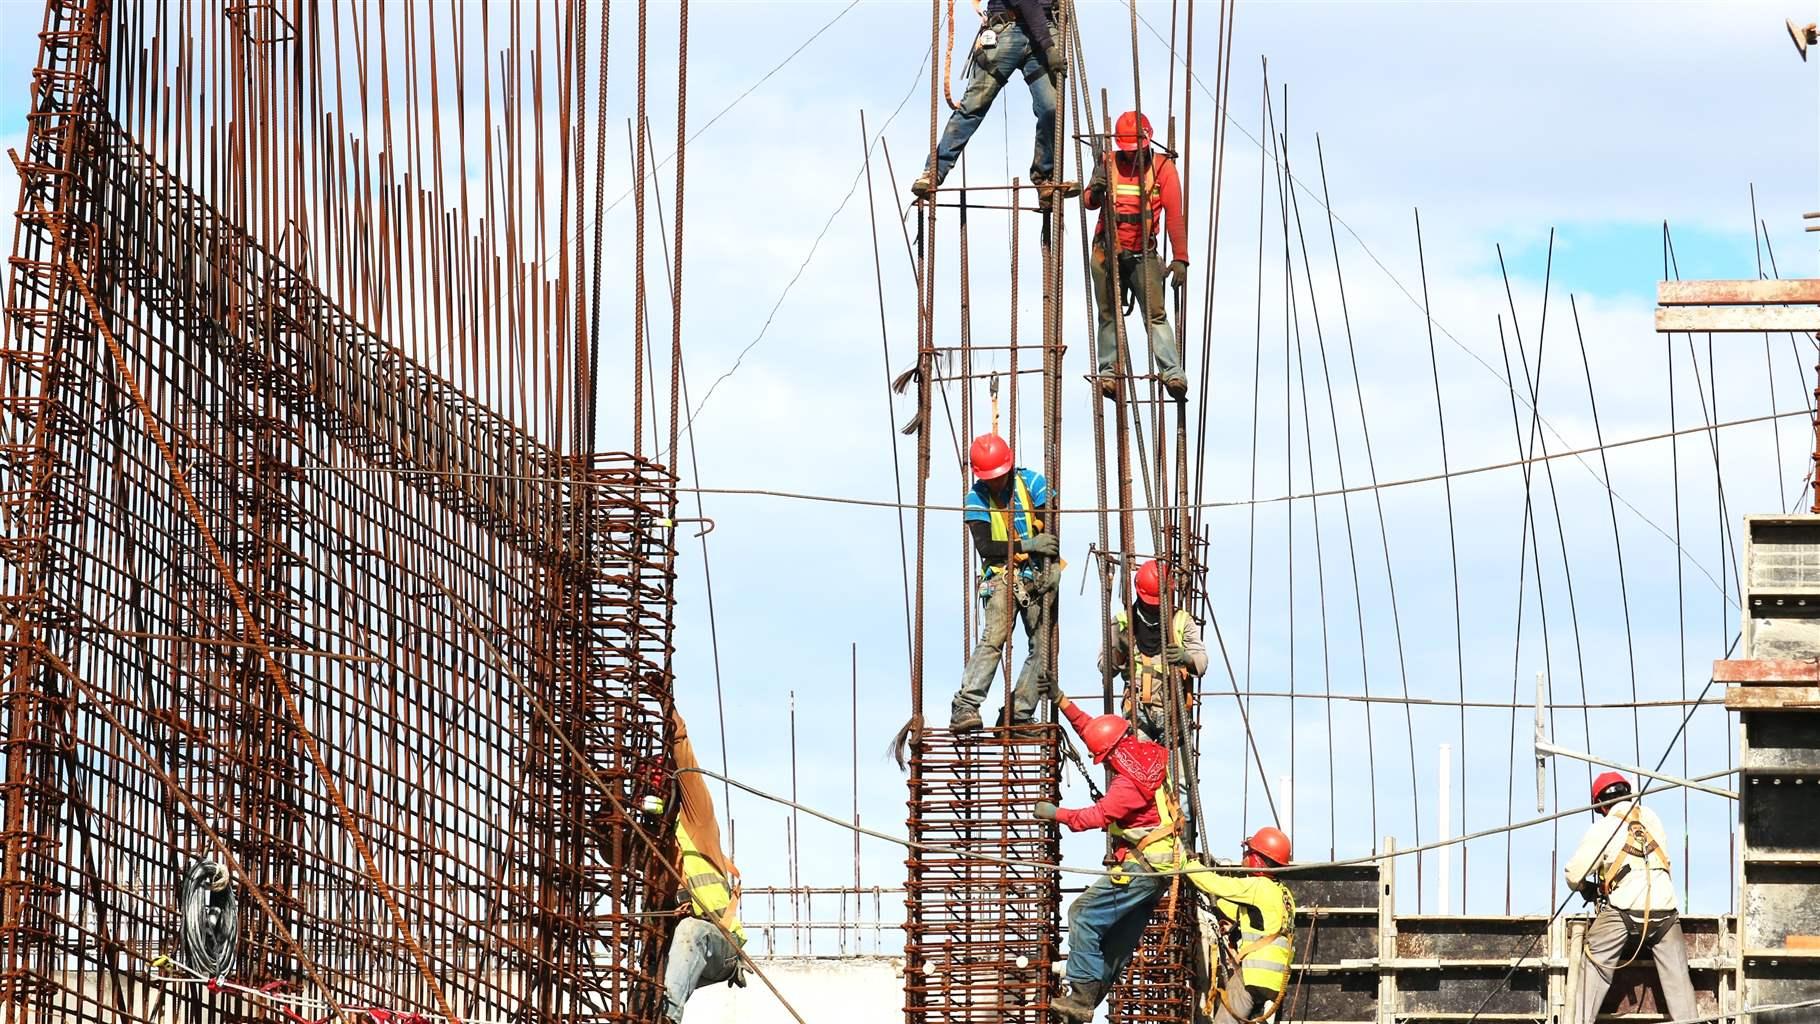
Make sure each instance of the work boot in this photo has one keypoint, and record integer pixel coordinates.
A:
(1109, 388)
(1177, 387)
(923, 185)
(1080, 1001)
(965, 720)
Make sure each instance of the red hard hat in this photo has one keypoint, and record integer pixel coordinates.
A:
(990, 456)
(1606, 781)
(1102, 734)
(1148, 582)
(1133, 131)
(1271, 844)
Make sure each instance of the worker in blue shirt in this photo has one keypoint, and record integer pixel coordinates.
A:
(1018, 568)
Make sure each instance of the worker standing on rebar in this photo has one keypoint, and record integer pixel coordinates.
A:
(1018, 573)
(1016, 38)
(1146, 670)
(1141, 185)
(1139, 809)
(706, 947)
(1622, 866)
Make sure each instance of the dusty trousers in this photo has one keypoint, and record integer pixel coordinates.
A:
(1613, 938)
(1239, 1003)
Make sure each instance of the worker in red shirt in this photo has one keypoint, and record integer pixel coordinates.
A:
(1142, 184)
(1139, 810)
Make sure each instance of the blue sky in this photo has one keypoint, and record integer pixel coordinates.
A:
(1500, 122)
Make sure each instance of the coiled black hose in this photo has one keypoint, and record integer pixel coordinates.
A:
(209, 904)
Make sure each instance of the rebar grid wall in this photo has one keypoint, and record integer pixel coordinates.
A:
(348, 630)
(980, 935)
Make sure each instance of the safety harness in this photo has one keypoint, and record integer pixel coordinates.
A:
(1254, 941)
(1149, 673)
(1639, 844)
(1154, 844)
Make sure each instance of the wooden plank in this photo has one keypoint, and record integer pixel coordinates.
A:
(1772, 698)
(1737, 319)
(1766, 670)
(1737, 293)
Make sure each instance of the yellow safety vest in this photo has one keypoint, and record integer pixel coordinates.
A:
(1638, 845)
(1265, 913)
(1003, 523)
(1147, 672)
(1156, 843)
(709, 896)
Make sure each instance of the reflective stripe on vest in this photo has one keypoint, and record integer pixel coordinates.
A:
(1001, 517)
(1147, 670)
(1156, 843)
(709, 896)
(1129, 194)
(1265, 955)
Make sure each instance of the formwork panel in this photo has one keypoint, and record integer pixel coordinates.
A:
(980, 935)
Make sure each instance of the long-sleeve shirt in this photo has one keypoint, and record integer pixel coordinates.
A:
(1126, 803)
(1034, 15)
(1149, 641)
(1166, 207)
(1645, 887)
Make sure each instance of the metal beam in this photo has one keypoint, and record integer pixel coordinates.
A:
(1737, 293)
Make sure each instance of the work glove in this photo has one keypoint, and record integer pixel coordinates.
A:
(1097, 183)
(1047, 545)
(1177, 654)
(1045, 810)
(1178, 272)
(1058, 67)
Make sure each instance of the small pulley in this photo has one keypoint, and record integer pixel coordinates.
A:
(208, 903)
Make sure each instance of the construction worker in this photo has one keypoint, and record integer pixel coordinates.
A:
(1018, 573)
(705, 948)
(1622, 866)
(1146, 672)
(1260, 915)
(1016, 38)
(1139, 810)
(1138, 179)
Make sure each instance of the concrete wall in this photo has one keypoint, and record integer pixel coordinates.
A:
(867, 988)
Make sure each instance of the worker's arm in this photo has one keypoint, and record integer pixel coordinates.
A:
(993, 550)
(1170, 185)
(1587, 856)
(1123, 798)
(1095, 193)
(1112, 652)
(1197, 648)
(1035, 19)
(1249, 890)
(1076, 717)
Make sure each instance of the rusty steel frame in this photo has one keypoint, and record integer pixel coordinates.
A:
(980, 935)
(282, 589)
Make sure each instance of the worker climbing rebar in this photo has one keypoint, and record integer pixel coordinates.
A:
(1018, 576)
(1622, 866)
(1146, 668)
(1257, 915)
(1142, 187)
(705, 947)
(1017, 36)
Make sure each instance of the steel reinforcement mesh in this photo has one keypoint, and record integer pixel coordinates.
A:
(980, 936)
(400, 665)
(1158, 985)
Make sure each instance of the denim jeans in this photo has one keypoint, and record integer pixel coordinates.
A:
(1106, 923)
(1143, 273)
(998, 607)
(991, 70)
(699, 955)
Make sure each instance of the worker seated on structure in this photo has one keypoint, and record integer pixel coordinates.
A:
(1015, 38)
(1622, 866)
(706, 947)
(1018, 576)
(1146, 671)
(1144, 190)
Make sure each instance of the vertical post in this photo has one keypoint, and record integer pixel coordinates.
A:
(1444, 830)
(1387, 932)
(1541, 759)
(854, 652)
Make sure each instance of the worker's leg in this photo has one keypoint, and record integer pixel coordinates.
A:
(1097, 946)
(996, 611)
(1107, 306)
(1031, 677)
(991, 70)
(699, 955)
(1236, 1004)
(1608, 942)
(1042, 104)
(1670, 951)
(1149, 289)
